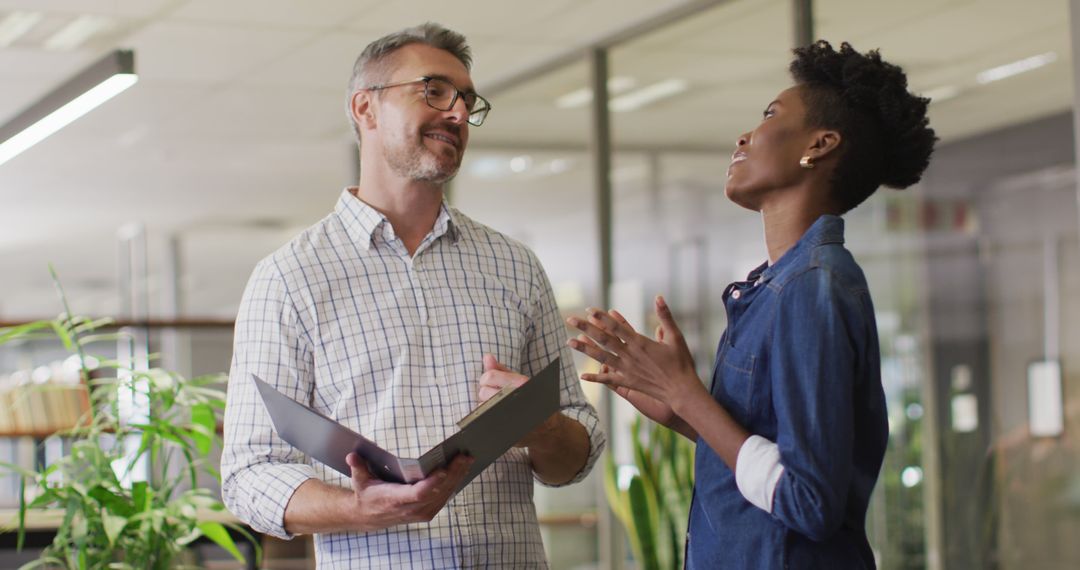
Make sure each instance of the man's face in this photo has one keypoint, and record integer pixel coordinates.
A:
(418, 142)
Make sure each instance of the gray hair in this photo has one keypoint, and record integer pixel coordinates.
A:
(373, 66)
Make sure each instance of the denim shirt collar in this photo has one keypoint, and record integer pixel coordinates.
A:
(827, 229)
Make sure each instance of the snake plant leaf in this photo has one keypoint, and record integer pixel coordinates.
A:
(643, 513)
(614, 494)
(644, 463)
(659, 531)
(642, 452)
(676, 512)
(655, 511)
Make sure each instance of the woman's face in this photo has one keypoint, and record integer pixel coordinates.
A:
(766, 160)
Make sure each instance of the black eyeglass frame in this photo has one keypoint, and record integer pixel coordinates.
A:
(481, 106)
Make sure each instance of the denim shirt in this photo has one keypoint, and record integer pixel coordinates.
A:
(798, 365)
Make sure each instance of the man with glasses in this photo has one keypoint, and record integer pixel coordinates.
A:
(396, 315)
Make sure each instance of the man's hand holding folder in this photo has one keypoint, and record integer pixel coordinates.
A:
(498, 381)
(381, 504)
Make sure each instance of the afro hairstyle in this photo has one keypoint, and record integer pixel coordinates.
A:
(885, 134)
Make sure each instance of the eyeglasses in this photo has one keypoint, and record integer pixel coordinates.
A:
(442, 95)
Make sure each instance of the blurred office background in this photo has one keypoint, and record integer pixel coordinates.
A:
(157, 205)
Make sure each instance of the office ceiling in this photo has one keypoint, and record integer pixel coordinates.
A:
(235, 137)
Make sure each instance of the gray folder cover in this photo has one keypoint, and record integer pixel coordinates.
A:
(485, 437)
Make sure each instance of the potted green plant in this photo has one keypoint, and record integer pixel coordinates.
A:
(653, 503)
(107, 519)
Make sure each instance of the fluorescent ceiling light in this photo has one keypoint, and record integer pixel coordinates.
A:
(78, 31)
(1015, 68)
(77, 96)
(521, 163)
(939, 94)
(578, 98)
(15, 26)
(559, 165)
(649, 94)
(583, 96)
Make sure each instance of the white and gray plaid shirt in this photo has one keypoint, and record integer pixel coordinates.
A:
(342, 319)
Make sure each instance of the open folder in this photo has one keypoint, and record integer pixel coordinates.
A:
(484, 434)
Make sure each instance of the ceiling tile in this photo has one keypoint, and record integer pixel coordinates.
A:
(283, 14)
(208, 53)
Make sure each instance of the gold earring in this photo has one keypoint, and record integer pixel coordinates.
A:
(805, 162)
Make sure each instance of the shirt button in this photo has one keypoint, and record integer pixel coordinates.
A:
(736, 294)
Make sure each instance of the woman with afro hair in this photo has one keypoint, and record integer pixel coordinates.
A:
(791, 432)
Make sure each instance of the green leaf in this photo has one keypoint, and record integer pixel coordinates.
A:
(217, 533)
(655, 510)
(204, 424)
(22, 515)
(675, 514)
(113, 503)
(104, 524)
(208, 379)
(65, 336)
(9, 334)
(42, 562)
(611, 489)
(50, 495)
(78, 528)
(644, 516)
(643, 454)
(140, 497)
(92, 325)
(18, 469)
(168, 432)
(114, 524)
(644, 462)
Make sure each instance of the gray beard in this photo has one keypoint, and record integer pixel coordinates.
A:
(418, 164)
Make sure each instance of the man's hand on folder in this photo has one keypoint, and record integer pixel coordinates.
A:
(379, 504)
(496, 376)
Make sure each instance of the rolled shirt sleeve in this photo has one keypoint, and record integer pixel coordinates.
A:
(547, 340)
(260, 471)
(758, 470)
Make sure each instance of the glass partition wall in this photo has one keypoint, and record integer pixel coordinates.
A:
(969, 269)
(528, 174)
(675, 232)
(975, 271)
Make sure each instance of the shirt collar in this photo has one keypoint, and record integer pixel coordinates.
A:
(826, 229)
(363, 222)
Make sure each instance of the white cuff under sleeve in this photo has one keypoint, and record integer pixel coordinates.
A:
(758, 470)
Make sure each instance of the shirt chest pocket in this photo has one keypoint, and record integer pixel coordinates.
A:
(737, 376)
(489, 329)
